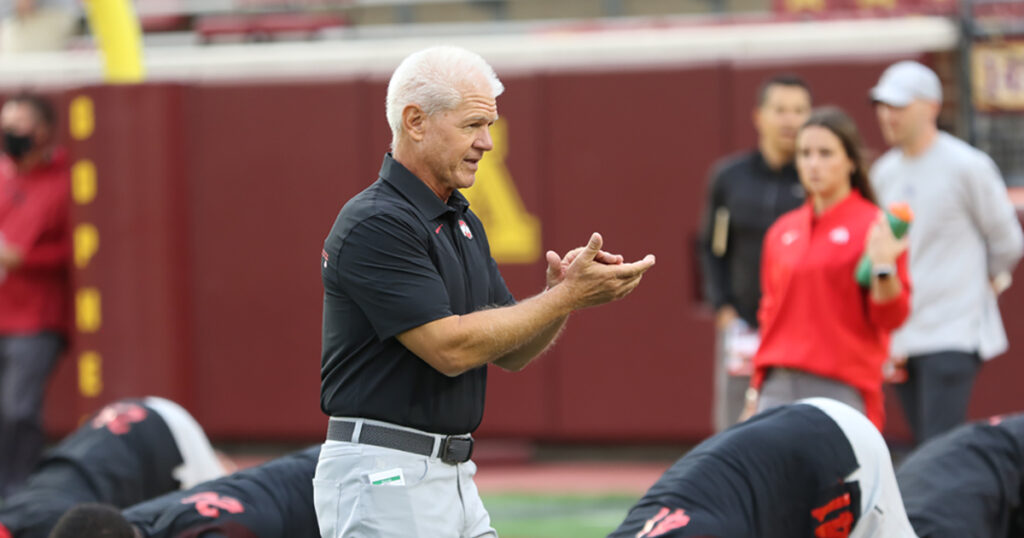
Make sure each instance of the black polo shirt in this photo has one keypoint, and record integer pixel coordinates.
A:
(967, 482)
(396, 258)
(272, 500)
(780, 474)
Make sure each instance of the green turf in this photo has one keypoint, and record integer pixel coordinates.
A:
(545, 515)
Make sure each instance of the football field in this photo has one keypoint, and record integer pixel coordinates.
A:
(566, 499)
(553, 515)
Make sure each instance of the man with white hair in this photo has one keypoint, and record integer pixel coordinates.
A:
(415, 309)
(964, 243)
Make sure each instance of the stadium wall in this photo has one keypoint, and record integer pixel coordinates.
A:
(198, 241)
(212, 201)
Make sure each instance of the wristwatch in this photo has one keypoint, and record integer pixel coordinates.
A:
(883, 271)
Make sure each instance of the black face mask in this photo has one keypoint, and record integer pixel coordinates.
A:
(17, 146)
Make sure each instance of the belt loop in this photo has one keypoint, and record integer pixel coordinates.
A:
(357, 429)
(438, 443)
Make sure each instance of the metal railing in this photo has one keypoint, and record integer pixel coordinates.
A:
(999, 131)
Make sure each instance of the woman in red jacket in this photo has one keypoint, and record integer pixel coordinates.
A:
(822, 334)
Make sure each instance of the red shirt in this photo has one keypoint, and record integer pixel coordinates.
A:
(34, 220)
(814, 316)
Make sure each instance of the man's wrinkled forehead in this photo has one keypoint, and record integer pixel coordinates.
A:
(478, 99)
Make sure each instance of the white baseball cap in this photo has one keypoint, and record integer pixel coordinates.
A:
(903, 82)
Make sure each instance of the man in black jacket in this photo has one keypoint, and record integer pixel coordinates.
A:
(747, 193)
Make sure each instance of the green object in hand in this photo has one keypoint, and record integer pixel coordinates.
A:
(899, 216)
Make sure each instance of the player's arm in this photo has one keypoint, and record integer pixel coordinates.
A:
(514, 335)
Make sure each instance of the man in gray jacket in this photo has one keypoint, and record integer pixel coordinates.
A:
(964, 243)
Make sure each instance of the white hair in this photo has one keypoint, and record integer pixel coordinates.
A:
(432, 79)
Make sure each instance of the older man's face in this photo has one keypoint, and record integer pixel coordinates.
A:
(457, 139)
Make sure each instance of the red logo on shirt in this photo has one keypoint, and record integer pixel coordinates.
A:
(839, 526)
(465, 229)
(665, 520)
(209, 504)
(119, 417)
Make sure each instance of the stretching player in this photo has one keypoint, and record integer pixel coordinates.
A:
(274, 500)
(967, 482)
(816, 468)
(129, 451)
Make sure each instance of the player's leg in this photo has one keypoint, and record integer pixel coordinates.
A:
(882, 511)
(28, 361)
(908, 393)
(199, 460)
(945, 382)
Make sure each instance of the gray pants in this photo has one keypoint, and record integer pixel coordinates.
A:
(937, 391)
(25, 365)
(366, 491)
(785, 386)
(730, 390)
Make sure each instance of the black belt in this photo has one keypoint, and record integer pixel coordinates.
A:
(454, 449)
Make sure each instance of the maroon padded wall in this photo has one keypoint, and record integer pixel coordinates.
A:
(215, 199)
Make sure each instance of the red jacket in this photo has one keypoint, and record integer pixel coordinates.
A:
(34, 219)
(814, 316)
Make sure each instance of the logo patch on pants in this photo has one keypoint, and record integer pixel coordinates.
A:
(391, 477)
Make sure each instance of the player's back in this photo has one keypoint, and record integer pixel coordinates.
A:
(967, 482)
(122, 455)
(780, 474)
(274, 500)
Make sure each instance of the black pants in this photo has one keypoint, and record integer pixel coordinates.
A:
(25, 365)
(937, 391)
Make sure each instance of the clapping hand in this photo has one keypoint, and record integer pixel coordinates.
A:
(595, 276)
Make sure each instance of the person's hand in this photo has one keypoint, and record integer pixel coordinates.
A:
(749, 404)
(1001, 282)
(725, 316)
(24, 8)
(894, 370)
(558, 265)
(881, 246)
(592, 282)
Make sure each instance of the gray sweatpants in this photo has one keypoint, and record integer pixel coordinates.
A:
(937, 391)
(785, 386)
(25, 365)
(367, 491)
(730, 390)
